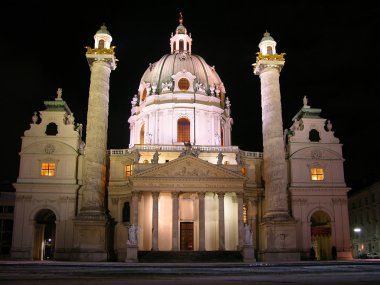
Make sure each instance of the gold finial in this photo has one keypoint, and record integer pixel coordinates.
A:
(180, 18)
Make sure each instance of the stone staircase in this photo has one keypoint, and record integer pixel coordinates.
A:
(189, 256)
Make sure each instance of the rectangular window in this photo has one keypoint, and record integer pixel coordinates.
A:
(317, 174)
(128, 170)
(48, 169)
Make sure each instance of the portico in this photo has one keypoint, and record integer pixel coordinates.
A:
(199, 211)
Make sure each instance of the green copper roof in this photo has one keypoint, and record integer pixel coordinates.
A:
(307, 113)
(57, 105)
(103, 30)
(267, 37)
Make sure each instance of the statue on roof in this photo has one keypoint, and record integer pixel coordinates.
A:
(305, 101)
(220, 158)
(329, 125)
(59, 93)
(155, 157)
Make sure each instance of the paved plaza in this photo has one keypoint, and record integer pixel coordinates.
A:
(68, 273)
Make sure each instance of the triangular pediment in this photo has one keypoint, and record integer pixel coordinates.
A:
(189, 167)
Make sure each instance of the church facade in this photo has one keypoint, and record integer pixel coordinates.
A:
(180, 185)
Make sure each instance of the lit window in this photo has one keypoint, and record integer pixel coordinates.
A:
(142, 134)
(183, 84)
(128, 170)
(183, 130)
(244, 171)
(317, 174)
(48, 169)
(143, 95)
(101, 44)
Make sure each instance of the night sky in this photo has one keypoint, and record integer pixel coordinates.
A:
(331, 57)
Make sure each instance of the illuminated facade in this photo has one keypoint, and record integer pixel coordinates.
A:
(180, 185)
(364, 220)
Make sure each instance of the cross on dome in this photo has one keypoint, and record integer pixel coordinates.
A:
(181, 41)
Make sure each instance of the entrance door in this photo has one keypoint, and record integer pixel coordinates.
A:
(187, 235)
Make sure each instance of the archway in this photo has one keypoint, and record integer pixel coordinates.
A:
(44, 235)
(321, 235)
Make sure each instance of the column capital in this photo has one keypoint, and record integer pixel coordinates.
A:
(221, 195)
(155, 195)
(201, 195)
(240, 195)
(175, 195)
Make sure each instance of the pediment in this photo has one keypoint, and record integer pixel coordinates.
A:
(315, 153)
(189, 167)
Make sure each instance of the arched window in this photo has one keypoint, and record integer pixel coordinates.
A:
(269, 50)
(126, 213)
(143, 96)
(175, 46)
(142, 134)
(101, 44)
(314, 136)
(183, 84)
(183, 130)
(51, 129)
(180, 45)
(221, 137)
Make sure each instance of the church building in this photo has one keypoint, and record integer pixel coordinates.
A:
(180, 185)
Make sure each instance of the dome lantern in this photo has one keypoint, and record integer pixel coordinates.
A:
(103, 38)
(267, 44)
(180, 42)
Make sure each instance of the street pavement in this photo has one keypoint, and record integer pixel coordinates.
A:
(112, 273)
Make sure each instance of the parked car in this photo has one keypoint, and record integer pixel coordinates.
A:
(372, 255)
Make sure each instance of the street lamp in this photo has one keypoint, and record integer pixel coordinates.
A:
(358, 250)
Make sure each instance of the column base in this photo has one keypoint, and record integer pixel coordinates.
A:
(278, 241)
(248, 253)
(93, 238)
(131, 254)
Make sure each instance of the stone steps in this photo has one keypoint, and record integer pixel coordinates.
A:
(189, 256)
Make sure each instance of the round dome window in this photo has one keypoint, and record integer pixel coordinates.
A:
(183, 84)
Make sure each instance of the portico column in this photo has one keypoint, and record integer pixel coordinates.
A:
(221, 221)
(155, 221)
(240, 218)
(201, 197)
(175, 221)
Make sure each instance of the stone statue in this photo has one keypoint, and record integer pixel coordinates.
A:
(134, 100)
(80, 129)
(228, 107)
(220, 157)
(304, 101)
(238, 158)
(59, 93)
(82, 146)
(296, 124)
(155, 157)
(137, 156)
(132, 234)
(71, 119)
(187, 151)
(329, 125)
(34, 118)
(247, 235)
